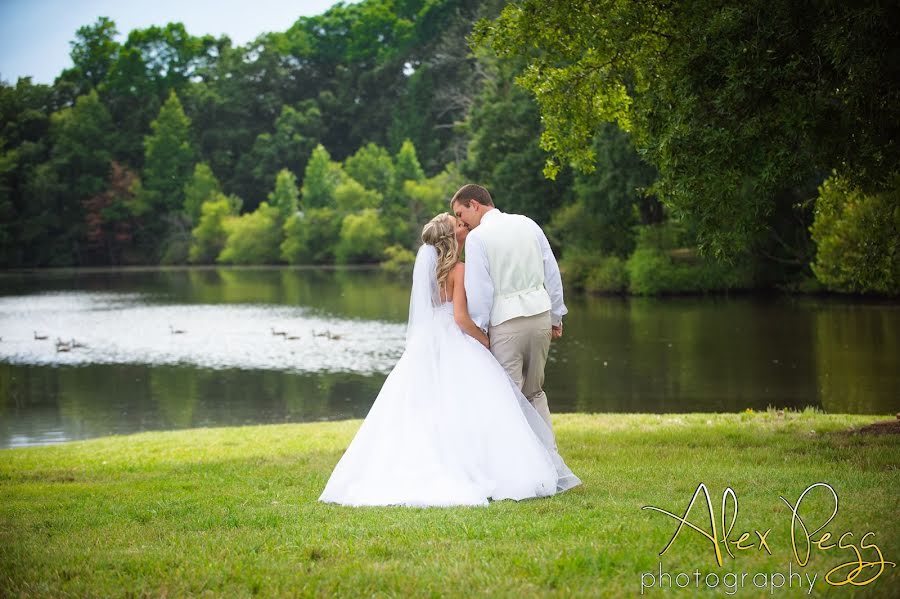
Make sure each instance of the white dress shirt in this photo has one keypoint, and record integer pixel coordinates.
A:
(480, 286)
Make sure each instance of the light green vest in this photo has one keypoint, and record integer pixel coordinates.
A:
(516, 267)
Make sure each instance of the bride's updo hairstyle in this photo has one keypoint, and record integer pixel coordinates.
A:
(440, 232)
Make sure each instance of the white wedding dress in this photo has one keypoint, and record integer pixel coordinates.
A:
(449, 427)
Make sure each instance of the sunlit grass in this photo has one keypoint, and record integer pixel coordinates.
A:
(234, 512)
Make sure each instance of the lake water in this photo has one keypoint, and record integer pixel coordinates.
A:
(131, 370)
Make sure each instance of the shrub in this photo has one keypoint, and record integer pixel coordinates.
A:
(253, 238)
(659, 266)
(363, 237)
(311, 236)
(609, 276)
(857, 238)
(209, 235)
(399, 260)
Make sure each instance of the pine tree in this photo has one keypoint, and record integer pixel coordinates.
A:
(168, 158)
(321, 178)
(284, 198)
(202, 186)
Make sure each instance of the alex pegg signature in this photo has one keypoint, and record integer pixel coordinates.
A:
(854, 569)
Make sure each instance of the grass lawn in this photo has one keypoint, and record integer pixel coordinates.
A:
(234, 512)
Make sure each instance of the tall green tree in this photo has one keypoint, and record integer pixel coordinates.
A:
(407, 167)
(202, 186)
(734, 102)
(320, 179)
(77, 170)
(296, 134)
(169, 158)
(210, 234)
(611, 201)
(363, 238)
(373, 167)
(504, 153)
(285, 196)
(94, 52)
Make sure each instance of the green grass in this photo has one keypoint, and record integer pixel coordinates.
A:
(234, 512)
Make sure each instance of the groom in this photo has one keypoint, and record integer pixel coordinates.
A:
(513, 288)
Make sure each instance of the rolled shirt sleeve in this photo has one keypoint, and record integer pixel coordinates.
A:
(478, 284)
(552, 278)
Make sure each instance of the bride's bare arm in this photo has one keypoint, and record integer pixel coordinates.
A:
(461, 307)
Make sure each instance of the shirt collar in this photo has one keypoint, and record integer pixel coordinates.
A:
(490, 214)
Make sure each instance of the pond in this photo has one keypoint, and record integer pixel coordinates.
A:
(86, 353)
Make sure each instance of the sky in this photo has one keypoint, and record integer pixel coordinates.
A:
(35, 34)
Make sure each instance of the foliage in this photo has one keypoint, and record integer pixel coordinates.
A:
(362, 239)
(109, 217)
(77, 169)
(310, 237)
(656, 267)
(594, 272)
(733, 102)
(398, 260)
(168, 158)
(351, 196)
(431, 196)
(610, 275)
(210, 234)
(296, 135)
(284, 197)
(253, 238)
(504, 153)
(202, 186)
(407, 167)
(320, 179)
(373, 167)
(857, 237)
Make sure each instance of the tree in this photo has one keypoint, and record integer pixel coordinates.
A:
(310, 237)
(407, 166)
(202, 186)
(289, 147)
(210, 234)
(109, 217)
(351, 196)
(8, 164)
(285, 196)
(610, 201)
(363, 238)
(77, 170)
(733, 102)
(320, 179)
(429, 197)
(93, 53)
(856, 235)
(504, 150)
(253, 238)
(373, 167)
(168, 158)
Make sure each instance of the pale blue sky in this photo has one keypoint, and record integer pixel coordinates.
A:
(35, 34)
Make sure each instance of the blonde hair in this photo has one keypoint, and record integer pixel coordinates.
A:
(441, 233)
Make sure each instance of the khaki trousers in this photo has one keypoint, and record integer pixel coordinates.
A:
(521, 345)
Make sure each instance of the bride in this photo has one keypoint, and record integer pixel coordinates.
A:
(449, 427)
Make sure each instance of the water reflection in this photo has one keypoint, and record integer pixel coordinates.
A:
(48, 404)
(618, 354)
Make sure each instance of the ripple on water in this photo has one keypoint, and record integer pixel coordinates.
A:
(125, 329)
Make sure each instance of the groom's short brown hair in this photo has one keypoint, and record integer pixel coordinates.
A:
(470, 192)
